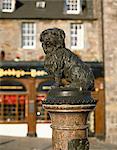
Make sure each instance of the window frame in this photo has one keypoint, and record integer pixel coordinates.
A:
(78, 45)
(75, 11)
(7, 2)
(28, 35)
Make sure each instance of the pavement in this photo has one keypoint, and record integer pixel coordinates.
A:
(30, 143)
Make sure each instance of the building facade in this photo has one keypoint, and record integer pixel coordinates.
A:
(30, 15)
(110, 59)
(90, 28)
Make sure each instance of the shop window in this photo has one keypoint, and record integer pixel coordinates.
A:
(77, 36)
(13, 101)
(28, 35)
(41, 113)
(73, 6)
(13, 107)
(8, 5)
(42, 89)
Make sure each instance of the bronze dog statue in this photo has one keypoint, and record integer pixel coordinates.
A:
(67, 68)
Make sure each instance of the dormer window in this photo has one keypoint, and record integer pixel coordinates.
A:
(8, 5)
(40, 4)
(73, 6)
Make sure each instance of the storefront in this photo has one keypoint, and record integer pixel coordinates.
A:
(23, 87)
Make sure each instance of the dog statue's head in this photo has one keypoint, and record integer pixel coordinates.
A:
(52, 39)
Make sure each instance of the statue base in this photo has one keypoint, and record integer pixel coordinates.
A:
(72, 96)
(69, 118)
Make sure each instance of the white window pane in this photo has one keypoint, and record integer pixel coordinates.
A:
(77, 36)
(8, 5)
(73, 6)
(28, 35)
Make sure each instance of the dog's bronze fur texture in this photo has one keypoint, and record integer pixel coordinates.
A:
(67, 69)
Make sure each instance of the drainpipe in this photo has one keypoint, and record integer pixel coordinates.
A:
(103, 53)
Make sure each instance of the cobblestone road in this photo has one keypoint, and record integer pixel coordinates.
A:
(26, 143)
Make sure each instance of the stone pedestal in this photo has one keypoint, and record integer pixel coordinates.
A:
(69, 120)
(69, 126)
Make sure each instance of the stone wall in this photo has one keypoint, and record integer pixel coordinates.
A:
(9, 37)
(10, 41)
(110, 59)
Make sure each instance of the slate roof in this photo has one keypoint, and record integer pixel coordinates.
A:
(26, 9)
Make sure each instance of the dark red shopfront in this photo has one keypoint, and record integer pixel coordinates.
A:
(23, 87)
